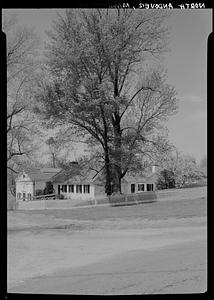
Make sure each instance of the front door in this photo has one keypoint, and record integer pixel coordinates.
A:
(58, 189)
(132, 188)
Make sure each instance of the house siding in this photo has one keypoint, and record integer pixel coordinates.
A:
(24, 187)
(126, 186)
(99, 190)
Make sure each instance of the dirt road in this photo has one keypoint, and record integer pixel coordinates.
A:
(178, 248)
(119, 255)
(168, 270)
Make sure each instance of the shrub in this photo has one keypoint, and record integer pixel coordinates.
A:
(39, 192)
(48, 188)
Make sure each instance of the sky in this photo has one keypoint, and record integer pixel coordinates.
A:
(186, 64)
(187, 71)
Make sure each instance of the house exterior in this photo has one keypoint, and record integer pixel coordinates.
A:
(28, 182)
(78, 185)
(138, 184)
(90, 185)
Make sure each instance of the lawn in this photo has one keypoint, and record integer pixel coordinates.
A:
(152, 211)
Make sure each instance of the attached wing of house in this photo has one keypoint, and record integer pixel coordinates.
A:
(139, 183)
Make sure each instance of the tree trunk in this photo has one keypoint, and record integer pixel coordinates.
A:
(108, 178)
(117, 172)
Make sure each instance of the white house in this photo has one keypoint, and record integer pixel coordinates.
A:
(78, 185)
(90, 186)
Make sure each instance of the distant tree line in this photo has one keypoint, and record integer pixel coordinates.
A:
(181, 171)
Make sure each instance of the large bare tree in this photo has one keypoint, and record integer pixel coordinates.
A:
(99, 83)
(22, 44)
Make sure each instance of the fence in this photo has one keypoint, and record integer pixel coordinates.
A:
(132, 199)
(42, 197)
(48, 203)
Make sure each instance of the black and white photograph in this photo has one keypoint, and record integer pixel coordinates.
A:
(107, 150)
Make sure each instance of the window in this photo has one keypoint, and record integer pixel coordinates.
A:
(71, 188)
(140, 187)
(149, 187)
(24, 196)
(64, 188)
(18, 195)
(86, 188)
(132, 188)
(79, 188)
(29, 196)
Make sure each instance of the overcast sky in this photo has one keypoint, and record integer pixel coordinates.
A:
(186, 64)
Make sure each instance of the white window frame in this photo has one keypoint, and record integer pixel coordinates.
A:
(66, 188)
(79, 188)
(86, 188)
(141, 185)
(151, 184)
(71, 188)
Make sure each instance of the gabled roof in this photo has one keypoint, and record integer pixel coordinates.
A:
(43, 174)
(50, 170)
(140, 177)
(40, 176)
(74, 176)
(77, 176)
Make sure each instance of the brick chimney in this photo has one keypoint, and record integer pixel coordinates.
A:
(154, 168)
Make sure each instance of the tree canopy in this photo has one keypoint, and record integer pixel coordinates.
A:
(99, 84)
(179, 170)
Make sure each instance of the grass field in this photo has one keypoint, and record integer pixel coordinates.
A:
(154, 211)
